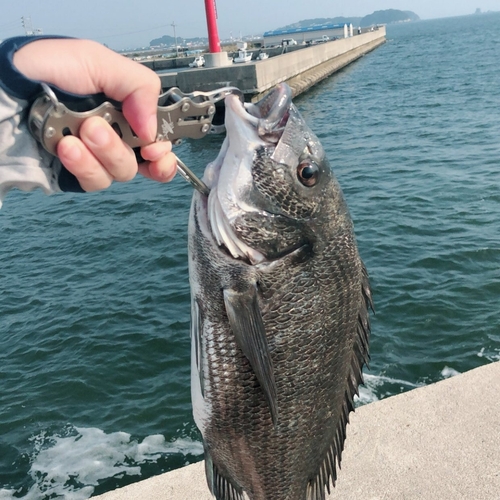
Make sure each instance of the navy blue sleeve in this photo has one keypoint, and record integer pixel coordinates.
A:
(19, 86)
(11, 80)
(15, 84)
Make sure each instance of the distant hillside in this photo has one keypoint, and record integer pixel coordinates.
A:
(379, 17)
(389, 16)
(169, 41)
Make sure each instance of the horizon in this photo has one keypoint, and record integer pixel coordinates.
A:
(133, 25)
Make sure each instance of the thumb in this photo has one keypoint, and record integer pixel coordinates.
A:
(87, 67)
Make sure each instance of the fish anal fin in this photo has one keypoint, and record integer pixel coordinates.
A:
(248, 328)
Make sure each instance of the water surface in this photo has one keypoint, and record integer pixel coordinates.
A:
(94, 310)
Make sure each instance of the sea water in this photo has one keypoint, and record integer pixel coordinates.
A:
(94, 294)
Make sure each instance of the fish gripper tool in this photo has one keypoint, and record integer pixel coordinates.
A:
(180, 116)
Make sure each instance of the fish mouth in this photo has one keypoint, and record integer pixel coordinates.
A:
(268, 116)
(272, 113)
(248, 126)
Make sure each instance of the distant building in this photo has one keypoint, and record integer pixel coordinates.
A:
(304, 35)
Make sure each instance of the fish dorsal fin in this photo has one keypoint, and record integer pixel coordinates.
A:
(328, 470)
(248, 328)
(220, 487)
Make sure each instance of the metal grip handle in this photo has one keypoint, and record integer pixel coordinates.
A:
(50, 122)
(179, 116)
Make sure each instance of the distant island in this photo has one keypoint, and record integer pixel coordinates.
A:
(388, 16)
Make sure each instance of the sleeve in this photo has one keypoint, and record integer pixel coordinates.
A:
(24, 164)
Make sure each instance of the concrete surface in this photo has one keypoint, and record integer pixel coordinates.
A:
(439, 442)
(300, 68)
(217, 60)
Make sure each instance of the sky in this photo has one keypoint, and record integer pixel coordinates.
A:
(133, 23)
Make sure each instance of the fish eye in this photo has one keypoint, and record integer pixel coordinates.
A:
(307, 173)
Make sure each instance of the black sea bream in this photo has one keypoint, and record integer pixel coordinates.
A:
(280, 303)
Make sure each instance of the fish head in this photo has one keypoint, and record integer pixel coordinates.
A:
(272, 189)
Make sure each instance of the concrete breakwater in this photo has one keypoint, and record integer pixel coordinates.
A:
(441, 441)
(299, 68)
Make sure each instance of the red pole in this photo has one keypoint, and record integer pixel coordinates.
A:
(213, 33)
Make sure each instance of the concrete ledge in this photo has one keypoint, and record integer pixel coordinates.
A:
(307, 79)
(299, 68)
(314, 63)
(437, 442)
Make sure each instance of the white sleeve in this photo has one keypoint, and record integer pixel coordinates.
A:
(24, 164)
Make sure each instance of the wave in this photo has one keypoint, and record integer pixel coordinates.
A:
(378, 386)
(448, 372)
(492, 355)
(71, 464)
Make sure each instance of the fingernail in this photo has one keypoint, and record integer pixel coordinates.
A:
(152, 127)
(99, 136)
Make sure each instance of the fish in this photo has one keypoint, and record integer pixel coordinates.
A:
(280, 303)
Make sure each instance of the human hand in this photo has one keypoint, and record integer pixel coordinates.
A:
(84, 67)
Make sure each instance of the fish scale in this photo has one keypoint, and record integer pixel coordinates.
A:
(282, 341)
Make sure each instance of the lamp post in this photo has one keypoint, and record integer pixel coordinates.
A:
(175, 36)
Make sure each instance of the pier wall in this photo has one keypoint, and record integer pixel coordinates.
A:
(299, 68)
(304, 68)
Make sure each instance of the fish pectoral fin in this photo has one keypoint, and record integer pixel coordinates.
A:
(248, 328)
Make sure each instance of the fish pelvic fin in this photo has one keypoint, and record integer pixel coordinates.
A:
(248, 328)
(328, 470)
(220, 487)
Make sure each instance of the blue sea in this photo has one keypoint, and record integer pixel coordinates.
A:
(94, 294)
